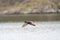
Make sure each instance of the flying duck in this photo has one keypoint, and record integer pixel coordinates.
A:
(28, 22)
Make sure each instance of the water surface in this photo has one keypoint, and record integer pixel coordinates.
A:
(42, 31)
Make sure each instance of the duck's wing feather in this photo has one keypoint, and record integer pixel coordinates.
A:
(32, 23)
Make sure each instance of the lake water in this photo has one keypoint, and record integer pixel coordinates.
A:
(42, 31)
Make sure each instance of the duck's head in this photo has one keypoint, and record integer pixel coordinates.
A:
(25, 21)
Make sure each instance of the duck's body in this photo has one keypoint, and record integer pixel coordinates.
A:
(28, 22)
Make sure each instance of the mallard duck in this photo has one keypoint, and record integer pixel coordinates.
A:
(28, 22)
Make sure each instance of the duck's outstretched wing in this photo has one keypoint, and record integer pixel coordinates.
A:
(32, 23)
(24, 25)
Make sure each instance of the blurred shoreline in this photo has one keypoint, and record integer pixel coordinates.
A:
(35, 17)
